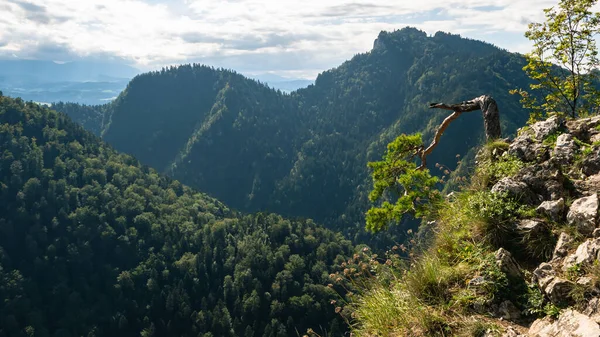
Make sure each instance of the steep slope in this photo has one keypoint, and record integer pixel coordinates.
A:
(91, 117)
(94, 244)
(514, 253)
(305, 154)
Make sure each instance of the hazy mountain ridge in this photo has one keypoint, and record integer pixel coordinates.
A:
(305, 153)
(48, 82)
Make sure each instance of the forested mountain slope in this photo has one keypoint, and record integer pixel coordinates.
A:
(305, 154)
(94, 244)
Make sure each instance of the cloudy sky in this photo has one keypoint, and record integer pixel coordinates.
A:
(285, 37)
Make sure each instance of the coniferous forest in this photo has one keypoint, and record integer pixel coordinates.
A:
(92, 243)
(202, 203)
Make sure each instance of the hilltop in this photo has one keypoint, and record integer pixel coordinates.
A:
(305, 153)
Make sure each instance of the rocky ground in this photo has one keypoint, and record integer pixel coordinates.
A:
(562, 180)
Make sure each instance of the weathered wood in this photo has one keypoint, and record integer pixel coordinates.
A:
(491, 120)
(424, 153)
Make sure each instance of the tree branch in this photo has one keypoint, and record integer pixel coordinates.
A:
(491, 118)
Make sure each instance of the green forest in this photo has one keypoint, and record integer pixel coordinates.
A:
(92, 243)
(202, 203)
(305, 153)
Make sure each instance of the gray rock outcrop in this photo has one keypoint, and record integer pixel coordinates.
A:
(570, 323)
(583, 214)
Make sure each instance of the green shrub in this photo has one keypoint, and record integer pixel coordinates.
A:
(493, 217)
(539, 244)
(493, 164)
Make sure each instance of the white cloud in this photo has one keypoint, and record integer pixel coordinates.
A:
(284, 36)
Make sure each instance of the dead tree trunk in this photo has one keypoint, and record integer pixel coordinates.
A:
(491, 120)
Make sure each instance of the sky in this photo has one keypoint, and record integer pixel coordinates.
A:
(296, 39)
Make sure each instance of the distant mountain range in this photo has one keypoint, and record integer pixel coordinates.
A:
(305, 154)
(49, 71)
(47, 81)
(284, 84)
(87, 82)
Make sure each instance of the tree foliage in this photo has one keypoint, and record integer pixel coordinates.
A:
(94, 244)
(564, 61)
(397, 177)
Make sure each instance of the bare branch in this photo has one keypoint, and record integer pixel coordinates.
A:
(424, 153)
(491, 118)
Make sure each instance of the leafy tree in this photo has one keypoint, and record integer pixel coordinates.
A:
(564, 61)
(398, 177)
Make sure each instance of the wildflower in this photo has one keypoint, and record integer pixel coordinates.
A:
(388, 262)
(332, 275)
(343, 264)
(366, 249)
(333, 302)
(338, 309)
(346, 271)
(395, 248)
(409, 232)
(330, 285)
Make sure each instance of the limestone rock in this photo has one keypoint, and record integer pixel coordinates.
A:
(586, 253)
(591, 183)
(565, 149)
(586, 281)
(591, 163)
(545, 128)
(593, 309)
(477, 282)
(558, 290)
(528, 150)
(553, 209)
(530, 226)
(583, 128)
(507, 263)
(514, 188)
(562, 246)
(570, 323)
(511, 332)
(544, 274)
(543, 179)
(583, 214)
(509, 311)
